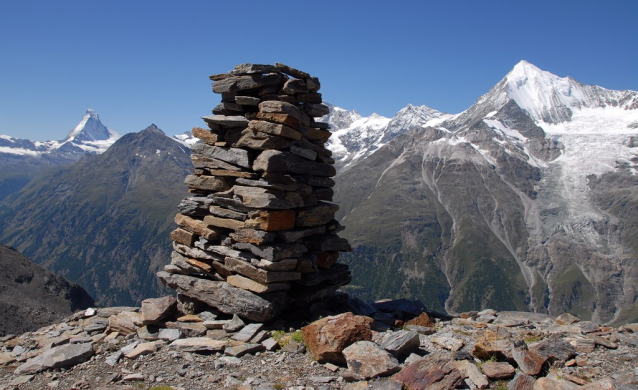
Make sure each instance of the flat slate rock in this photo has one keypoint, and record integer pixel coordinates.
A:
(199, 344)
(224, 297)
(369, 360)
(62, 356)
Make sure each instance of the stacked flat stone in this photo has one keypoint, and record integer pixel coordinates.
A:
(258, 235)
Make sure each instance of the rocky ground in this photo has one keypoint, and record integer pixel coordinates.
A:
(389, 345)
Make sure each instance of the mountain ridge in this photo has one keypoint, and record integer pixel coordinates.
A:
(492, 187)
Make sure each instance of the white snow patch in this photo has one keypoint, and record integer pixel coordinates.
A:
(506, 131)
(607, 120)
(19, 151)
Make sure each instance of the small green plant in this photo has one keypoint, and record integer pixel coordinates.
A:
(532, 339)
(278, 386)
(297, 336)
(284, 338)
(500, 385)
(277, 334)
(162, 388)
(464, 333)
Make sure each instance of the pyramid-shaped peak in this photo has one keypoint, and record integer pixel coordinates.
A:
(153, 129)
(91, 129)
(525, 71)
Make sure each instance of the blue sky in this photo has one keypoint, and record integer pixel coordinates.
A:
(143, 62)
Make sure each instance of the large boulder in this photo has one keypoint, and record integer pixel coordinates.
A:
(328, 337)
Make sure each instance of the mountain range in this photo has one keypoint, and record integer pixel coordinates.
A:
(525, 201)
(103, 221)
(21, 159)
(528, 200)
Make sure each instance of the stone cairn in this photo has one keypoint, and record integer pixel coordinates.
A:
(258, 235)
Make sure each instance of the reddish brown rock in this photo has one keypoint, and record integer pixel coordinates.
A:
(284, 119)
(521, 382)
(422, 320)
(529, 362)
(498, 370)
(205, 135)
(196, 226)
(156, 309)
(491, 344)
(125, 323)
(328, 337)
(271, 220)
(183, 236)
(434, 372)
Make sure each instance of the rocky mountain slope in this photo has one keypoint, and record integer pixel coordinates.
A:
(32, 297)
(525, 201)
(21, 159)
(393, 345)
(104, 221)
(355, 137)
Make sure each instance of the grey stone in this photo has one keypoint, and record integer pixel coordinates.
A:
(317, 215)
(555, 349)
(286, 162)
(273, 252)
(156, 309)
(169, 334)
(226, 298)
(270, 344)
(113, 358)
(206, 183)
(293, 86)
(144, 349)
(306, 153)
(401, 344)
(241, 350)
(21, 380)
(106, 312)
(244, 69)
(367, 359)
(226, 121)
(263, 198)
(316, 110)
(291, 71)
(234, 325)
(242, 83)
(199, 344)
(247, 100)
(234, 156)
(470, 371)
(62, 356)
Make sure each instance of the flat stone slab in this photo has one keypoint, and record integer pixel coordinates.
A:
(241, 350)
(62, 356)
(224, 297)
(199, 344)
(369, 360)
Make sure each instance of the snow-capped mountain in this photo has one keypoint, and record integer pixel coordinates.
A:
(22, 159)
(89, 136)
(355, 137)
(528, 200)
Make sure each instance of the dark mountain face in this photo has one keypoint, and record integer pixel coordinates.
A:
(489, 210)
(104, 221)
(32, 297)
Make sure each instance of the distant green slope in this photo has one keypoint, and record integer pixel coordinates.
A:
(104, 221)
